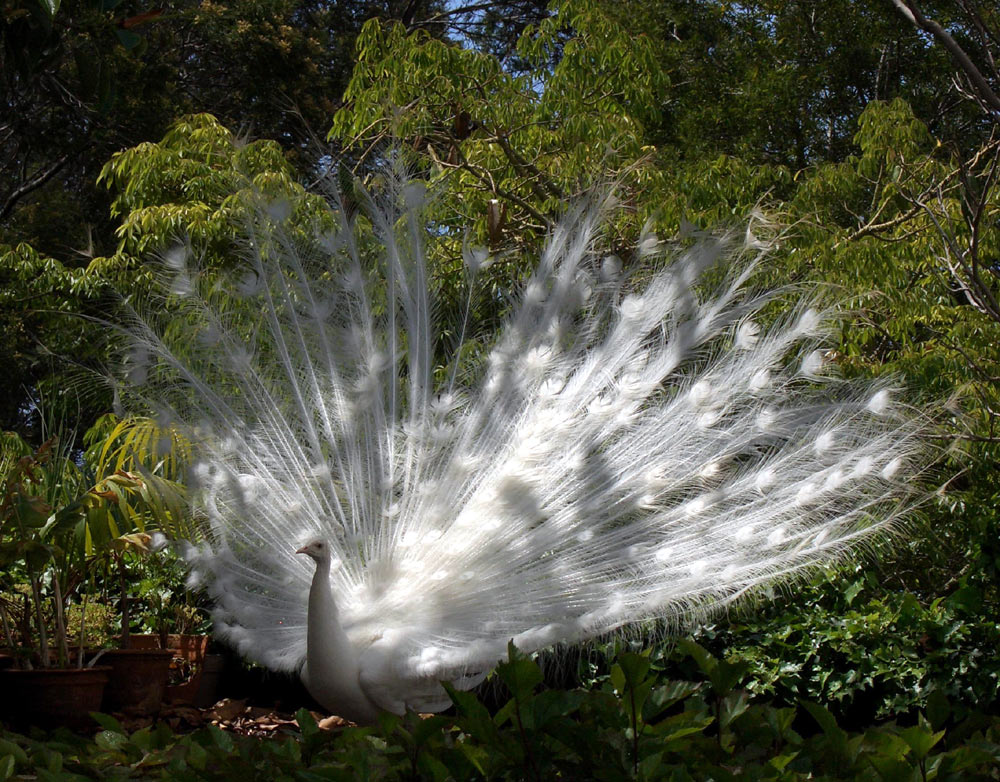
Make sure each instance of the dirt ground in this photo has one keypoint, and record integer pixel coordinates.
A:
(234, 716)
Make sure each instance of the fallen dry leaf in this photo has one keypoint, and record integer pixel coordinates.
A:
(227, 710)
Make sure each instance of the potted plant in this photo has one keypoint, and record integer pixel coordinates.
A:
(139, 675)
(173, 619)
(59, 517)
(40, 511)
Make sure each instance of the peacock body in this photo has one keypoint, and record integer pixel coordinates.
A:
(627, 450)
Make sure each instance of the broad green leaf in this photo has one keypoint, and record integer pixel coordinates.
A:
(921, 740)
(128, 38)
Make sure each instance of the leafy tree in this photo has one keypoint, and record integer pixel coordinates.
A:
(43, 306)
(83, 79)
(194, 185)
(784, 82)
(62, 68)
(189, 188)
(508, 148)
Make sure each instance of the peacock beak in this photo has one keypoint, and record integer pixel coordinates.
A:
(302, 550)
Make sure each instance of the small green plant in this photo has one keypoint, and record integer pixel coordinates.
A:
(163, 602)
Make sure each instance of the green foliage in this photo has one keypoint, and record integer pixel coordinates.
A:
(886, 226)
(526, 141)
(163, 602)
(82, 79)
(195, 185)
(782, 82)
(45, 305)
(831, 118)
(639, 726)
(864, 654)
(57, 513)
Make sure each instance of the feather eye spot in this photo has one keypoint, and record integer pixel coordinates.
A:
(863, 467)
(747, 335)
(880, 402)
(632, 308)
(766, 479)
(664, 554)
(825, 442)
(892, 468)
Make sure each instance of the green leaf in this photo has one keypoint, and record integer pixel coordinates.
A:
(550, 704)
(425, 729)
(107, 722)
(733, 705)
(892, 769)
(306, 723)
(221, 739)
(684, 724)
(478, 756)
(521, 674)
(706, 662)
(7, 766)
(128, 38)
(473, 716)
(920, 740)
(12, 749)
(111, 740)
(197, 755)
(665, 696)
(432, 768)
(53, 760)
(780, 761)
(727, 675)
(634, 666)
(968, 599)
(833, 732)
(852, 591)
(938, 708)
(650, 765)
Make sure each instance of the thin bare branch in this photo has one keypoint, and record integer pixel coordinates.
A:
(983, 88)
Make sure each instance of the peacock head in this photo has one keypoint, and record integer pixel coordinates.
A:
(318, 550)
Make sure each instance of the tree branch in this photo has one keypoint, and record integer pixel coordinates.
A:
(33, 183)
(909, 9)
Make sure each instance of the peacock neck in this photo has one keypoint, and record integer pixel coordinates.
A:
(332, 669)
(326, 639)
(320, 594)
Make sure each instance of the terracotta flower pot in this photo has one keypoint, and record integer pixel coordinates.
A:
(52, 697)
(138, 680)
(190, 657)
(189, 647)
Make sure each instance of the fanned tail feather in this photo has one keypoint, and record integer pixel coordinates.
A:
(630, 450)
